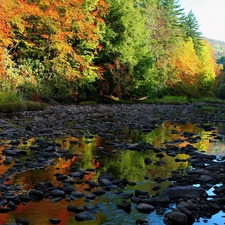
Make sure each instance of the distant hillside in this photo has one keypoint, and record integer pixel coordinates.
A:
(218, 46)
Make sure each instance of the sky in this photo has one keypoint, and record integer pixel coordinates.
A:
(210, 15)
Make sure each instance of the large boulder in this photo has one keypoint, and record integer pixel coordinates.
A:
(186, 191)
(176, 217)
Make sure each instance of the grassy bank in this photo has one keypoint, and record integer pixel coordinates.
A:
(13, 103)
(10, 102)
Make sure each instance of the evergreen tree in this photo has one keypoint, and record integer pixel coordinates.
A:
(125, 55)
(165, 22)
(174, 18)
(192, 30)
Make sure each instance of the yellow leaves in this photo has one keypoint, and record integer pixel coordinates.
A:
(186, 62)
(195, 73)
(66, 33)
(208, 65)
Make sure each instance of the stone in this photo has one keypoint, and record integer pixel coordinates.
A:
(91, 208)
(126, 206)
(77, 194)
(54, 221)
(76, 209)
(184, 191)
(90, 196)
(4, 210)
(22, 221)
(141, 193)
(148, 161)
(99, 192)
(105, 182)
(35, 194)
(58, 193)
(145, 208)
(176, 217)
(205, 178)
(83, 216)
(142, 222)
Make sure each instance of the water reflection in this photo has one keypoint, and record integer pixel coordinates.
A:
(95, 153)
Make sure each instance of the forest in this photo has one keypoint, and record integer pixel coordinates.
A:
(80, 49)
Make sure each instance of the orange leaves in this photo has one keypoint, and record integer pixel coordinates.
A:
(5, 28)
(186, 62)
(195, 73)
(64, 34)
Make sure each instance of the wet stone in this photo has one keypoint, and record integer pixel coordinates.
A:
(219, 189)
(90, 196)
(7, 162)
(14, 142)
(12, 205)
(5, 209)
(182, 191)
(2, 187)
(145, 208)
(142, 222)
(54, 221)
(91, 208)
(126, 206)
(77, 194)
(71, 208)
(176, 217)
(105, 182)
(58, 193)
(148, 161)
(141, 193)
(83, 216)
(36, 194)
(99, 192)
(22, 221)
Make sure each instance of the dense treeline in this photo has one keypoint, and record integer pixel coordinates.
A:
(218, 47)
(84, 48)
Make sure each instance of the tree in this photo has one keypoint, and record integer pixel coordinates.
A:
(208, 69)
(55, 42)
(8, 78)
(125, 49)
(187, 66)
(166, 31)
(192, 31)
(195, 74)
(174, 17)
(221, 60)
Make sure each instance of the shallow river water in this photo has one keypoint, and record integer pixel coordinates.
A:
(99, 155)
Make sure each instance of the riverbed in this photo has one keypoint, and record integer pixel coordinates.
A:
(107, 160)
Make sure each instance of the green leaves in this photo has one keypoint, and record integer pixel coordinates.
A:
(125, 48)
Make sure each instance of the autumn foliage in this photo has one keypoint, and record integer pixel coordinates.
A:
(62, 35)
(79, 47)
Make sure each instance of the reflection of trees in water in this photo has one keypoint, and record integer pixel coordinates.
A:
(31, 177)
(131, 165)
(125, 163)
(216, 148)
(122, 164)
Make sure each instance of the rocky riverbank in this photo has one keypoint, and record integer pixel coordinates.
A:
(192, 202)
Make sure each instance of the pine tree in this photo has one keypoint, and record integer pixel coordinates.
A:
(166, 19)
(174, 18)
(125, 56)
(192, 30)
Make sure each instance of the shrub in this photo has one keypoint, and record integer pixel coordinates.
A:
(21, 106)
(221, 91)
(9, 97)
